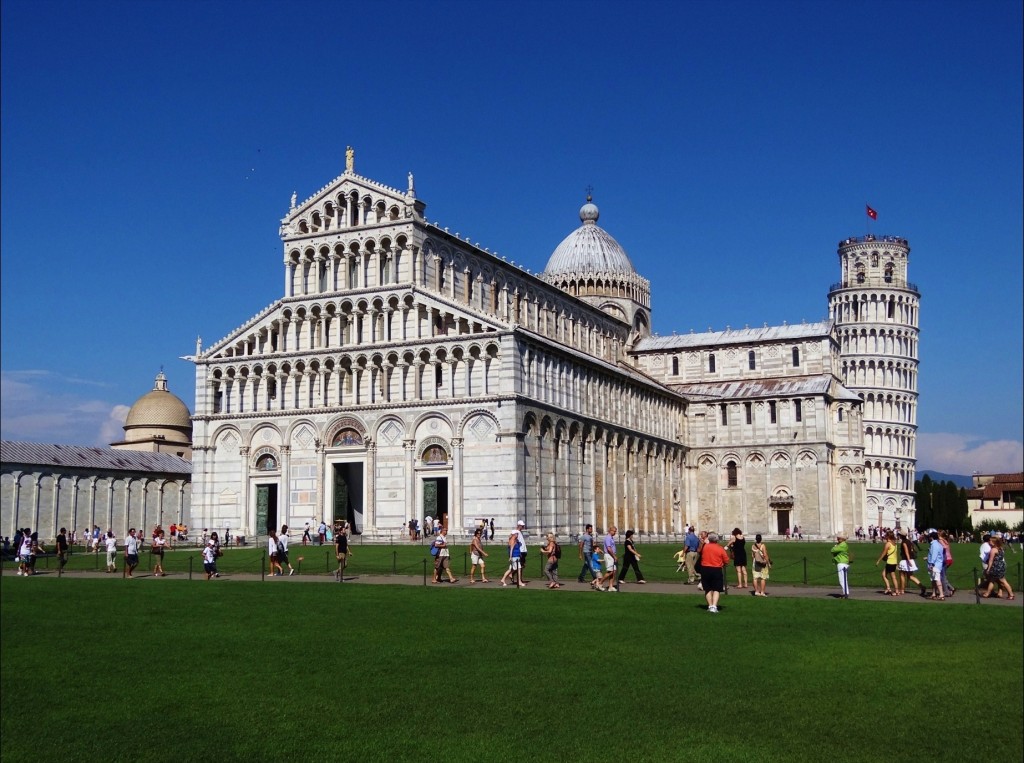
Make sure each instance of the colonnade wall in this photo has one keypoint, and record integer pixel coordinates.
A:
(47, 500)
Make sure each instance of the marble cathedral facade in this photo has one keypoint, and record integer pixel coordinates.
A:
(406, 372)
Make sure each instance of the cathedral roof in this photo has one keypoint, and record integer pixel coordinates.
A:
(785, 386)
(159, 408)
(589, 249)
(735, 336)
(81, 457)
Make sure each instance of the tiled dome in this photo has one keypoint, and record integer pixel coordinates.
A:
(159, 408)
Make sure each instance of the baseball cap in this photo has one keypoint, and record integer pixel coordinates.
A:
(520, 523)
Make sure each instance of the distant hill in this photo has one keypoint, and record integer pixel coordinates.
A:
(960, 480)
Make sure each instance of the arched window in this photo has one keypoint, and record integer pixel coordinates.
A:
(711, 363)
(796, 357)
(888, 273)
(751, 361)
(840, 414)
(731, 479)
(675, 366)
(267, 463)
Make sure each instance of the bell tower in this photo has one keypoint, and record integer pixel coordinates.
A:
(875, 309)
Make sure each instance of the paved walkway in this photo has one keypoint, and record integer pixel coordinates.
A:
(679, 589)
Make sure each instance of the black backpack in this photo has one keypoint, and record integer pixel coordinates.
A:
(558, 551)
(911, 549)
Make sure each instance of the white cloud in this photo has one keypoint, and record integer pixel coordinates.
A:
(41, 406)
(965, 454)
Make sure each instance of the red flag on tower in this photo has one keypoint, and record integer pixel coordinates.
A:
(871, 213)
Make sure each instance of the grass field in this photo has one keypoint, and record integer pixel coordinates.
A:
(234, 670)
(804, 563)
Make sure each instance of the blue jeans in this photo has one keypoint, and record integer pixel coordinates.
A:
(587, 558)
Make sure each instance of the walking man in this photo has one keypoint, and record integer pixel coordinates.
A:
(586, 553)
(282, 549)
(321, 532)
(691, 544)
(62, 548)
(520, 527)
(611, 559)
(131, 551)
(341, 553)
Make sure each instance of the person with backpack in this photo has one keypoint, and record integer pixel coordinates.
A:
(554, 552)
(442, 561)
(630, 559)
(908, 565)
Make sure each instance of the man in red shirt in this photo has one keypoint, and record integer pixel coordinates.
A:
(713, 559)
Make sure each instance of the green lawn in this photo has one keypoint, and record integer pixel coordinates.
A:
(232, 670)
(793, 563)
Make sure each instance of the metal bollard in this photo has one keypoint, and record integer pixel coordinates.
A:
(805, 570)
(190, 567)
(394, 562)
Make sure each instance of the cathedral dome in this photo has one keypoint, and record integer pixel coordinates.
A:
(159, 408)
(589, 249)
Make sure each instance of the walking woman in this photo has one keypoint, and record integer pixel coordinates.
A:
(275, 565)
(159, 544)
(908, 565)
(476, 555)
(553, 552)
(947, 563)
(995, 571)
(713, 559)
(630, 559)
(762, 563)
(110, 544)
(890, 553)
(738, 546)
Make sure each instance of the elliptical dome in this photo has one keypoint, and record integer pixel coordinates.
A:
(159, 408)
(589, 249)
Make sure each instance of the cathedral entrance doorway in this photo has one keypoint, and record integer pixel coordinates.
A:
(266, 508)
(435, 499)
(347, 495)
(782, 521)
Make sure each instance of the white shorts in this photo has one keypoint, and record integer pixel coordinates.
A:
(908, 565)
(936, 574)
(513, 564)
(476, 559)
(610, 566)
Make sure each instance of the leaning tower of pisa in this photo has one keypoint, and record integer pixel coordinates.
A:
(875, 307)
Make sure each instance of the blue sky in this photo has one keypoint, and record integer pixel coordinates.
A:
(149, 150)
